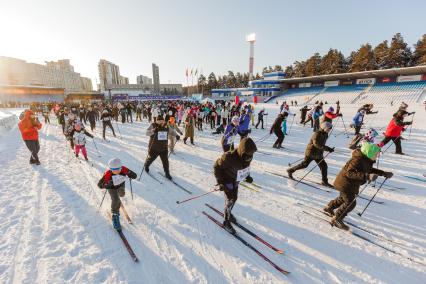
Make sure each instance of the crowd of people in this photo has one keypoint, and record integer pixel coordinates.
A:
(229, 120)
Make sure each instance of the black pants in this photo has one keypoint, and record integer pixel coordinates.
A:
(212, 122)
(345, 203)
(396, 141)
(104, 125)
(92, 124)
(260, 120)
(123, 118)
(357, 129)
(280, 138)
(46, 119)
(34, 147)
(164, 156)
(231, 196)
(311, 120)
(302, 118)
(115, 198)
(321, 164)
(129, 114)
(316, 124)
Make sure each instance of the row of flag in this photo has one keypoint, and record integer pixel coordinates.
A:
(191, 72)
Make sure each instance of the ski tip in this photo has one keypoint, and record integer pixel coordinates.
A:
(177, 202)
(280, 251)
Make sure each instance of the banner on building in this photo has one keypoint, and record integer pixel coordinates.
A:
(367, 81)
(409, 78)
(331, 83)
(305, 85)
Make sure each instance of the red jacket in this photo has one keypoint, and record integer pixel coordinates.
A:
(29, 127)
(394, 128)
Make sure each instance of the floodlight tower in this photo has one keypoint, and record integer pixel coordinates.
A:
(251, 38)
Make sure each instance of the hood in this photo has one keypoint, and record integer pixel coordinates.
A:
(28, 113)
(246, 146)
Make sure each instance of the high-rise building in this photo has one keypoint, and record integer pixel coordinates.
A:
(56, 74)
(109, 74)
(156, 78)
(143, 80)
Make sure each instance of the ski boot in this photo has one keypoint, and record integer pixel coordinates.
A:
(168, 176)
(146, 169)
(290, 174)
(228, 227)
(328, 210)
(337, 222)
(326, 184)
(116, 221)
(233, 219)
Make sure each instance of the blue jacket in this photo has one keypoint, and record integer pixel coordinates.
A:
(244, 121)
(229, 135)
(358, 118)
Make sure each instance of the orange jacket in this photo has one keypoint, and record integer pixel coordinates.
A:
(29, 127)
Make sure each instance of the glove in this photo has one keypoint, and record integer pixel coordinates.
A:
(412, 113)
(109, 185)
(177, 137)
(294, 114)
(388, 174)
(408, 123)
(371, 177)
(249, 179)
(132, 174)
(340, 114)
(100, 184)
(329, 149)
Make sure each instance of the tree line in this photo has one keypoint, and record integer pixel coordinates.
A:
(395, 53)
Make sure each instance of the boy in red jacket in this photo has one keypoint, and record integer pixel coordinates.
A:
(114, 181)
(29, 127)
(394, 129)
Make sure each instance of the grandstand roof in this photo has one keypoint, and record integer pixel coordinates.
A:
(359, 75)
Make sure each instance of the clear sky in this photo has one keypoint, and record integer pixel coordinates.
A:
(177, 34)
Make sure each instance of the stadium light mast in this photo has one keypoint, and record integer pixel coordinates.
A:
(251, 38)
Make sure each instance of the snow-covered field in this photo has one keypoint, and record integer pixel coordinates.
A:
(52, 231)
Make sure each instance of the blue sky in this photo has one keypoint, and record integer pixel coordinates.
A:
(204, 34)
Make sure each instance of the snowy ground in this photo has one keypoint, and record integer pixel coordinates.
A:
(52, 232)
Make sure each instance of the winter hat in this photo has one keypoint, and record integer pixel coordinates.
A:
(114, 164)
(372, 133)
(370, 150)
(77, 126)
(235, 119)
(326, 125)
(331, 109)
(160, 117)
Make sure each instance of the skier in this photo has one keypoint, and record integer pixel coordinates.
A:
(315, 152)
(29, 127)
(106, 121)
(231, 132)
(189, 127)
(318, 112)
(357, 171)
(114, 181)
(157, 146)
(69, 127)
(91, 117)
(230, 169)
(395, 128)
(171, 136)
(243, 128)
(46, 115)
(303, 112)
(277, 130)
(260, 117)
(78, 136)
(359, 139)
(329, 115)
(139, 112)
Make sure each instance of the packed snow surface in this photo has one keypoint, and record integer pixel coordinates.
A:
(52, 230)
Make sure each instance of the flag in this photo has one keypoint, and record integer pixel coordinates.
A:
(196, 72)
(192, 71)
(186, 73)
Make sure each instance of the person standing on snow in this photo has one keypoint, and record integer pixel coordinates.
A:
(356, 172)
(78, 136)
(260, 117)
(91, 117)
(172, 136)
(315, 152)
(276, 128)
(189, 127)
(231, 132)
(229, 170)
(29, 127)
(243, 128)
(113, 180)
(106, 121)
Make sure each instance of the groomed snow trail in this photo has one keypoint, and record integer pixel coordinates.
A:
(52, 231)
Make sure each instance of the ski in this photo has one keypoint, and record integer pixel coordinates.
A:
(126, 215)
(254, 184)
(248, 245)
(175, 183)
(127, 245)
(153, 177)
(248, 231)
(367, 239)
(374, 201)
(245, 185)
(263, 153)
(415, 178)
(302, 182)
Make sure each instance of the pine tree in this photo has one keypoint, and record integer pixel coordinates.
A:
(211, 82)
(312, 67)
(299, 69)
(289, 71)
(202, 83)
(278, 68)
(381, 54)
(333, 63)
(231, 81)
(419, 55)
(399, 52)
(363, 59)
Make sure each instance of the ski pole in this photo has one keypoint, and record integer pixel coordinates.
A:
(131, 188)
(94, 143)
(102, 201)
(291, 125)
(344, 125)
(312, 168)
(378, 162)
(174, 144)
(411, 126)
(298, 160)
(369, 202)
(262, 138)
(116, 123)
(196, 197)
(389, 146)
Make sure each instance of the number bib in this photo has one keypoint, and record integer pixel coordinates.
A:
(242, 174)
(162, 135)
(118, 179)
(231, 139)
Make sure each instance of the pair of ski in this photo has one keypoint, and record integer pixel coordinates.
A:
(251, 186)
(123, 237)
(325, 219)
(320, 187)
(247, 244)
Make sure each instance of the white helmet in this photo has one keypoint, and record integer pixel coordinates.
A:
(114, 164)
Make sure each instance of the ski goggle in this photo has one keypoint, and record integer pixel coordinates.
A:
(115, 169)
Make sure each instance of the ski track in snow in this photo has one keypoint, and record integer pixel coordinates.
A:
(52, 231)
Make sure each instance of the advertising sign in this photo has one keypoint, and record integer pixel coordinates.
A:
(409, 78)
(331, 83)
(368, 81)
(305, 85)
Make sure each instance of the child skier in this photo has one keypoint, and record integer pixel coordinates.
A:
(231, 132)
(114, 181)
(78, 136)
(172, 134)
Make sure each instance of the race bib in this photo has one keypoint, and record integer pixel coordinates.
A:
(106, 118)
(242, 174)
(118, 179)
(162, 135)
(231, 139)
